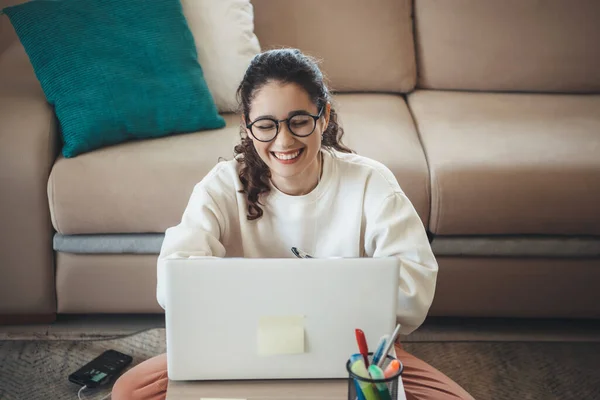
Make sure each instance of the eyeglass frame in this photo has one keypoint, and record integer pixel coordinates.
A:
(287, 122)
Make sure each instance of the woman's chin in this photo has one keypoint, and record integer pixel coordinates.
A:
(285, 171)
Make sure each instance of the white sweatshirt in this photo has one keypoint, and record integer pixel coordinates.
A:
(356, 210)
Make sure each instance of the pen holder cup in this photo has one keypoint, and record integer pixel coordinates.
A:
(361, 387)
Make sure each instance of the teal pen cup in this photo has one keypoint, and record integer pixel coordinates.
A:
(361, 386)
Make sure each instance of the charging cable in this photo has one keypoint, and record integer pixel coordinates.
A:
(85, 387)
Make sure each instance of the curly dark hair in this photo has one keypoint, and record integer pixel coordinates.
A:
(285, 66)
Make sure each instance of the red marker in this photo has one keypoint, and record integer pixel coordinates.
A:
(363, 348)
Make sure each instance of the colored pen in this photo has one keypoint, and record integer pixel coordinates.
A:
(359, 393)
(380, 347)
(359, 369)
(362, 345)
(389, 345)
(355, 357)
(392, 369)
(382, 389)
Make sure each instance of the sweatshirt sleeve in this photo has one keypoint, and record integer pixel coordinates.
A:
(395, 229)
(197, 235)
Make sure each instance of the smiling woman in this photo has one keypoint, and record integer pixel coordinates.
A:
(288, 118)
(294, 184)
(285, 139)
(288, 150)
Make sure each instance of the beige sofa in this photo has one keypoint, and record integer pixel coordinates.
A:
(487, 112)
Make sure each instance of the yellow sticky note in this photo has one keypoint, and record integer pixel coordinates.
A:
(280, 335)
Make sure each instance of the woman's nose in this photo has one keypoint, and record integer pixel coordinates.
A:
(285, 138)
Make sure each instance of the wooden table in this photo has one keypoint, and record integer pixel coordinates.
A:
(325, 389)
(305, 389)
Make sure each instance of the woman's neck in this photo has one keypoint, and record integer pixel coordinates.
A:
(302, 184)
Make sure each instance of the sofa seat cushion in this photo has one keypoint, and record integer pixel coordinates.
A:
(511, 163)
(144, 186)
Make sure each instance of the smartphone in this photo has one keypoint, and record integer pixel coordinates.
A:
(101, 369)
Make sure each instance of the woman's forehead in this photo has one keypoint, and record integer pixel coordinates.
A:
(278, 99)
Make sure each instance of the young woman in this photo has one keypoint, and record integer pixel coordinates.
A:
(294, 184)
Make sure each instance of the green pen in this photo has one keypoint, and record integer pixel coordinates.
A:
(382, 389)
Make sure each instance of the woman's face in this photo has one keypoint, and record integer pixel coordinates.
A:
(292, 160)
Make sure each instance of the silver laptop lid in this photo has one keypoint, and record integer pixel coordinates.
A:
(236, 318)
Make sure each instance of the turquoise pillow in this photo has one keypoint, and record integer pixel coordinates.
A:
(115, 70)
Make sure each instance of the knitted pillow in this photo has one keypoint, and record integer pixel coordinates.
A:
(115, 70)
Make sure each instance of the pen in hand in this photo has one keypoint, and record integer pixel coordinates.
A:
(300, 254)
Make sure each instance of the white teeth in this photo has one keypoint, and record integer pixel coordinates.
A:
(287, 156)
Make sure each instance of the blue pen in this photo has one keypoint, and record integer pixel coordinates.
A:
(380, 348)
(359, 392)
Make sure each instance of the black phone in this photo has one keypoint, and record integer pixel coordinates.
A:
(101, 369)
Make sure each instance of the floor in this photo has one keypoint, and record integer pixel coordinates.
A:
(491, 358)
(489, 370)
(95, 327)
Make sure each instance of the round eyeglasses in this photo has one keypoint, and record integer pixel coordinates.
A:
(266, 129)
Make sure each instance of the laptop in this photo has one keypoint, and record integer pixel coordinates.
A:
(250, 318)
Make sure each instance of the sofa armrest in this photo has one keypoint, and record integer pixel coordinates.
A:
(28, 148)
(7, 34)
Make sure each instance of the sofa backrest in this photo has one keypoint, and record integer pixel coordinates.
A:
(508, 45)
(363, 45)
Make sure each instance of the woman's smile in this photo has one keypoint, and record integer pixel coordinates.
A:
(288, 157)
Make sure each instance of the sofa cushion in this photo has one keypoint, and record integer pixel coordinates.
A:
(143, 187)
(381, 127)
(509, 45)
(364, 45)
(225, 42)
(472, 287)
(106, 283)
(511, 163)
(115, 70)
(138, 186)
(528, 287)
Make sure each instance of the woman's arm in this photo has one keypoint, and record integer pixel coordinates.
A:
(197, 235)
(394, 229)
